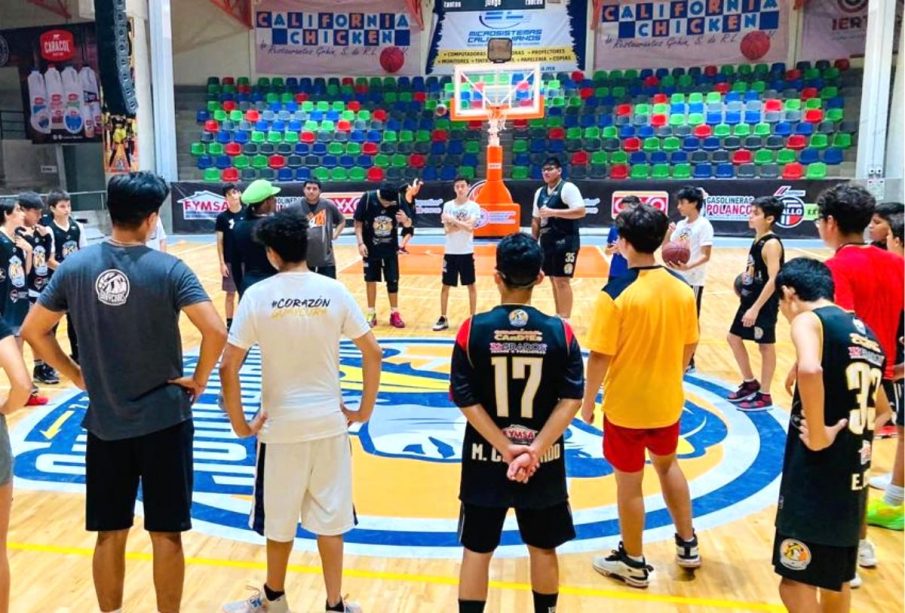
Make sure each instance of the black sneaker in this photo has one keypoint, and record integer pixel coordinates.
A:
(745, 391)
(687, 554)
(442, 324)
(619, 566)
(45, 374)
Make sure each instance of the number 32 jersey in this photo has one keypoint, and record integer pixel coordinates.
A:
(517, 363)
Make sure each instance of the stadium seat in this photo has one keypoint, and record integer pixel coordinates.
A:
(792, 171)
(816, 170)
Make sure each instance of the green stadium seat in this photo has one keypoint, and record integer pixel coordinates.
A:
(591, 132)
(467, 171)
(834, 115)
(660, 171)
(474, 146)
(258, 137)
(598, 158)
(677, 119)
(764, 156)
(619, 157)
(241, 162)
(786, 156)
(677, 98)
(792, 104)
(681, 171)
(339, 174)
(215, 149)
(830, 91)
(671, 143)
(640, 171)
(382, 160)
(722, 130)
(357, 173)
(609, 132)
(259, 161)
(762, 129)
(321, 174)
(817, 170)
(198, 149)
(519, 173)
(651, 144)
(335, 148)
(520, 145)
(841, 140)
(713, 98)
(742, 130)
(274, 137)
(290, 137)
(813, 103)
(819, 141)
(211, 174)
(695, 119)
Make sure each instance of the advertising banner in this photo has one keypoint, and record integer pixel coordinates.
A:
(58, 75)
(837, 28)
(671, 33)
(330, 37)
(552, 32)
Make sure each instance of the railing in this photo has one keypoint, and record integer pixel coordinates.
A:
(12, 124)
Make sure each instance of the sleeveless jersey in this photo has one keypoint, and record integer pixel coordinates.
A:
(552, 228)
(13, 284)
(517, 363)
(821, 497)
(756, 273)
(42, 249)
(65, 241)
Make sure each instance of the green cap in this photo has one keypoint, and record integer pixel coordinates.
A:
(259, 191)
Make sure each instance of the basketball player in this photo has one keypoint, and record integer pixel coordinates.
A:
(827, 457)
(40, 238)
(302, 425)
(223, 229)
(516, 374)
(618, 265)
(325, 224)
(696, 233)
(249, 263)
(878, 228)
(755, 319)
(642, 336)
(408, 192)
(459, 218)
(139, 419)
(157, 240)
(67, 239)
(377, 216)
(558, 206)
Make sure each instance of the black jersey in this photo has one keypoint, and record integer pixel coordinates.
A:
(517, 363)
(66, 241)
(248, 257)
(13, 282)
(42, 249)
(226, 223)
(756, 274)
(379, 225)
(552, 228)
(821, 497)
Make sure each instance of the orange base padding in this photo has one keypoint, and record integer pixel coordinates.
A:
(500, 216)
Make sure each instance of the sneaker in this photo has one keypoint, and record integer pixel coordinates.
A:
(36, 400)
(619, 566)
(867, 555)
(442, 324)
(880, 481)
(887, 431)
(856, 582)
(396, 320)
(46, 374)
(757, 402)
(879, 513)
(257, 603)
(690, 369)
(745, 391)
(349, 607)
(687, 554)
(372, 320)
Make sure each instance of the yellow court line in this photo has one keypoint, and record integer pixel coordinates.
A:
(636, 596)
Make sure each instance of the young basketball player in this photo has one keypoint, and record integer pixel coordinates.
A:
(249, 263)
(67, 239)
(558, 207)
(827, 458)
(517, 376)
(377, 216)
(325, 225)
(139, 420)
(304, 462)
(459, 218)
(878, 228)
(223, 229)
(695, 232)
(618, 265)
(408, 192)
(755, 319)
(642, 336)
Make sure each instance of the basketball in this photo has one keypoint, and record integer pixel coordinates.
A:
(676, 253)
(440, 110)
(739, 281)
(755, 45)
(392, 59)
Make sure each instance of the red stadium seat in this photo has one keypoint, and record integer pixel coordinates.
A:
(228, 81)
(417, 97)
(796, 142)
(619, 171)
(301, 97)
(439, 136)
(585, 93)
(343, 125)
(813, 115)
(556, 133)
(842, 64)
(232, 149)
(792, 171)
(375, 174)
(793, 75)
(773, 104)
(579, 158)
(353, 105)
(742, 156)
(809, 92)
(631, 144)
(416, 160)
(229, 105)
(211, 126)
(379, 115)
(703, 131)
(658, 120)
(230, 175)
(711, 71)
(477, 125)
(660, 99)
(369, 148)
(276, 161)
(577, 76)
(723, 88)
(623, 110)
(307, 137)
(651, 81)
(252, 115)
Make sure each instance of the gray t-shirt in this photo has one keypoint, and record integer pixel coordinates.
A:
(322, 219)
(125, 304)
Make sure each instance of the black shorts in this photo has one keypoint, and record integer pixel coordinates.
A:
(822, 566)
(410, 231)
(385, 268)
(327, 271)
(161, 461)
(458, 267)
(480, 528)
(895, 393)
(763, 332)
(560, 255)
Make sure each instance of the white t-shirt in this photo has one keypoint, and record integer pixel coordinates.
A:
(697, 235)
(570, 195)
(297, 319)
(157, 235)
(458, 240)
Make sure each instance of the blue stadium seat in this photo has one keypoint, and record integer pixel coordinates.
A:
(725, 171)
(808, 156)
(833, 156)
(703, 171)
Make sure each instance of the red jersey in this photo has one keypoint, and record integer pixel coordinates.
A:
(871, 282)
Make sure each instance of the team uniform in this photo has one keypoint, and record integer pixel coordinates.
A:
(458, 253)
(225, 224)
(304, 461)
(67, 241)
(248, 257)
(42, 250)
(381, 237)
(539, 360)
(13, 283)
(559, 238)
(822, 493)
(323, 217)
(754, 278)
(643, 319)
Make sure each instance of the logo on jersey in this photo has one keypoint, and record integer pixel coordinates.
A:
(16, 271)
(69, 247)
(112, 287)
(518, 318)
(794, 554)
(407, 459)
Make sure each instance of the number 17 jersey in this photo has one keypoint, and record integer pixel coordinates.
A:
(517, 363)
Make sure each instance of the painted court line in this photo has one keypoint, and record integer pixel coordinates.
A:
(638, 596)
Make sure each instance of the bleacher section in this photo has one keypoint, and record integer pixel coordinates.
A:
(747, 121)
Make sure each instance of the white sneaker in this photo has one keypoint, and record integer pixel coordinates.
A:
(257, 603)
(880, 481)
(856, 582)
(619, 566)
(867, 555)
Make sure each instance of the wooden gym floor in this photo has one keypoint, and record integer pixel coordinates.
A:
(50, 552)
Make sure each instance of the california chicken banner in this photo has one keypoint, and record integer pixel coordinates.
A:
(336, 37)
(672, 33)
(551, 32)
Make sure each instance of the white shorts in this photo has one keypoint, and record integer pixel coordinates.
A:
(309, 481)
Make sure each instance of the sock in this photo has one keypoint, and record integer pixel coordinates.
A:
(638, 559)
(894, 495)
(273, 594)
(372, 312)
(752, 380)
(119, 610)
(38, 362)
(339, 606)
(471, 606)
(544, 603)
(394, 310)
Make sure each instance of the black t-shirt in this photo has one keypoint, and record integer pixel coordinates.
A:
(821, 496)
(66, 241)
(226, 223)
(756, 274)
(538, 358)
(248, 258)
(553, 228)
(379, 225)
(42, 248)
(13, 282)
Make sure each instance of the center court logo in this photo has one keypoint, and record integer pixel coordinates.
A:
(407, 460)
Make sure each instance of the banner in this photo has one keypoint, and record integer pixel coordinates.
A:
(834, 29)
(196, 205)
(333, 37)
(680, 33)
(551, 32)
(58, 77)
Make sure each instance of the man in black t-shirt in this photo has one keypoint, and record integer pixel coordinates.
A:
(537, 360)
(325, 224)
(223, 228)
(378, 215)
(248, 258)
(40, 237)
(838, 400)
